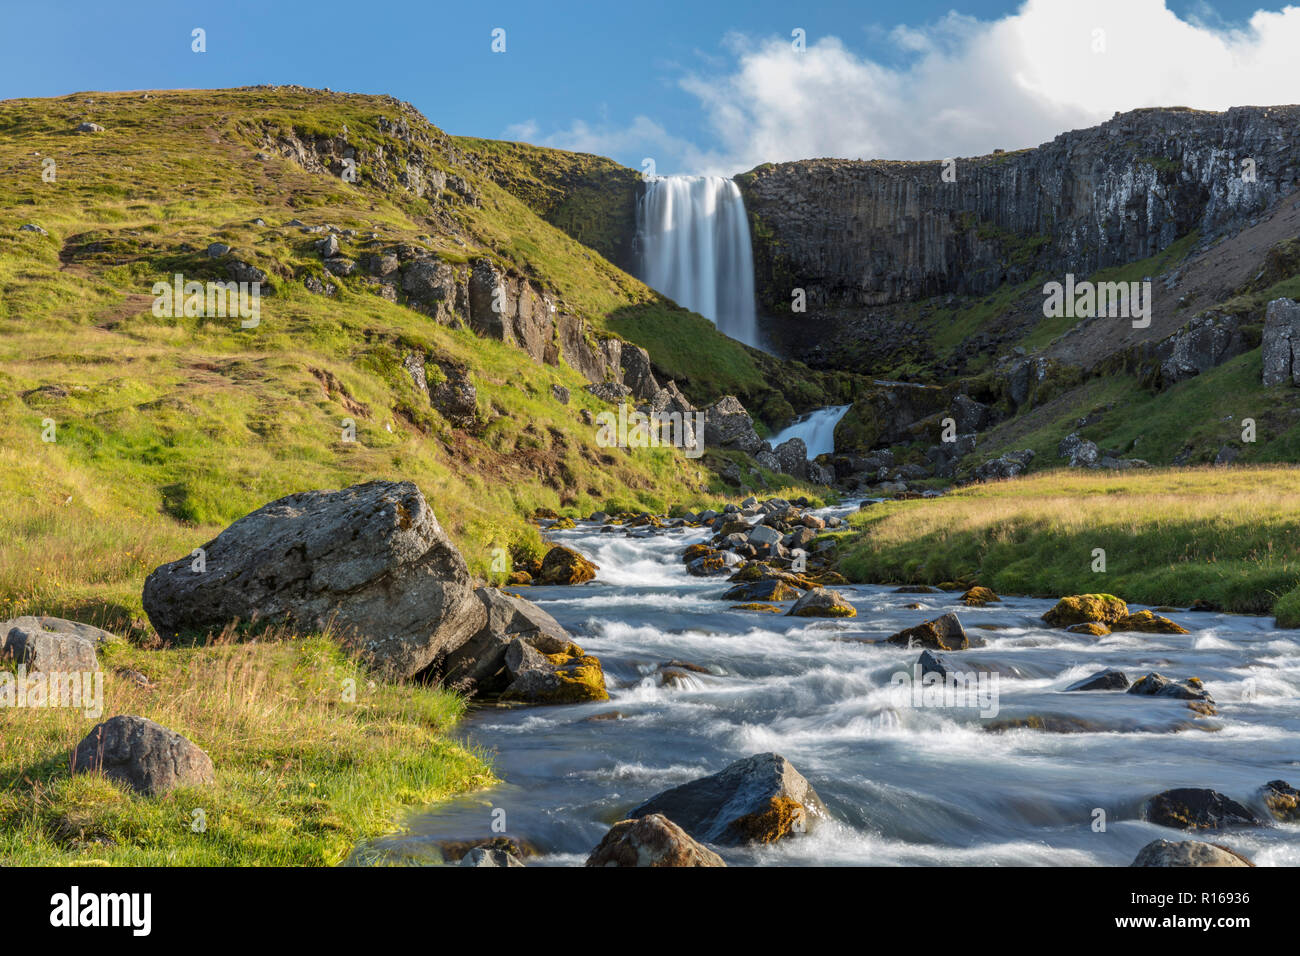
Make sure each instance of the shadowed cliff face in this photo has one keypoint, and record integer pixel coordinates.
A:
(854, 233)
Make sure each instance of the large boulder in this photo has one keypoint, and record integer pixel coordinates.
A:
(542, 670)
(58, 625)
(369, 562)
(47, 652)
(823, 602)
(1282, 800)
(1196, 808)
(941, 634)
(1281, 342)
(1206, 342)
(489, 856)
(565, 566)
(1006, 466)
(792, 457)
(480, 662)
(1188, 853)
(637, 373)
(1157, 685)
(142, 754)
(728, 425)
(652, 840)
(760, 799)
(1082, 608)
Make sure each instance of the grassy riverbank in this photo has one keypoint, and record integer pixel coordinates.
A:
(1226, 535)
(302, 772)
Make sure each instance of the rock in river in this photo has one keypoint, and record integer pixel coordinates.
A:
(942, 634)
(1188, 853)
(565, 566)
(369, 561)
(760, 799)
(1196, 808)
(1109, 679)
(1082, 608)
(823, 602)
(652, 840)
(480, 662)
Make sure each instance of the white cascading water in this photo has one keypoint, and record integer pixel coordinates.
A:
(817, 429)
(693, 236)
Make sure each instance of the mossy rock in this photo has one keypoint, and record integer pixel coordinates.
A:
(1094, 628)
(979, 596)
(576, 677)
(565, 566)
(823, 602)
(545, 514)
(753, 571)
(1148, 623)
(696, 551)
(563, 524)
(519, 578)
(825, 579)
(735, 527)
(1083, 608)
(770, 589)
(755, 606)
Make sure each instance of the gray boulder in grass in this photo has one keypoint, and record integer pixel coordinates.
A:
(369, 561)
(143, 754)
(760, 799)
(46, 652)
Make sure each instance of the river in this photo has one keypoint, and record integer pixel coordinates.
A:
(906, 785)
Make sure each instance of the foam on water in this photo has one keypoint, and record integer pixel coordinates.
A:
(906, 785)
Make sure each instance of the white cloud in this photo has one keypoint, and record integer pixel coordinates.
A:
(966, 86)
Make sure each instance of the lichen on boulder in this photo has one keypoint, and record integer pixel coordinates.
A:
(1148, 623)
(565, 566)
(979, 596)
(1082, 608)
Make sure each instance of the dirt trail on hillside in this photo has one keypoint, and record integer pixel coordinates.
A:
(1204, 279)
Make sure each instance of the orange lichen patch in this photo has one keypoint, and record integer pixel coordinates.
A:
(779, 819)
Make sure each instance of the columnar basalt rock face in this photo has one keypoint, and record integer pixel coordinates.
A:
(855, 233)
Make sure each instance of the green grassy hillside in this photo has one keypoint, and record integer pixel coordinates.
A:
(166, 429)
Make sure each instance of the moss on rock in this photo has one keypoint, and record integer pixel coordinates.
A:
(1083, 608)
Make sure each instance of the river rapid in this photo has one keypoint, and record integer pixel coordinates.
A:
(906, 783)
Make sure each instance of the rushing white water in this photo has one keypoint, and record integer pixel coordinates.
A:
(905, 784)
(693, 236)
(817, 429)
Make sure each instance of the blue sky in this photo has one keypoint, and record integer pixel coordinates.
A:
(697, 86)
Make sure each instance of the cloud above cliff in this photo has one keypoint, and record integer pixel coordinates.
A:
(960, 86)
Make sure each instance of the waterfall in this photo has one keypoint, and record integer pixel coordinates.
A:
(817, 429)
(693, 239)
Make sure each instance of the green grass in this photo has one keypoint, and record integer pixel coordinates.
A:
(303, 773)
(1170, 536)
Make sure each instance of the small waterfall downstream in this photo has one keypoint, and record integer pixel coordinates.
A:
(817, 429)
(693, 238)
